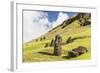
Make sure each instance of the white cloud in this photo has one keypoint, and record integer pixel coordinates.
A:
(34, 24)
(61, 17)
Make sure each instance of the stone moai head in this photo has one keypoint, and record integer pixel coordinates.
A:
(57, 45)
(58, 38)
(52, 43)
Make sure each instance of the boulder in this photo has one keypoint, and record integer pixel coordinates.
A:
(80, 50)
(72, 54)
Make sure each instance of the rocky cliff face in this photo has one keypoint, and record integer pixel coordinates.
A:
(83, 18)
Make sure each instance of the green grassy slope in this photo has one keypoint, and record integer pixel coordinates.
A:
(36, 52)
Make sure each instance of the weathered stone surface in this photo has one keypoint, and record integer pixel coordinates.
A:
(69, 40)
(46, 45)
(77, 51)
(52, 43)
(80, 50)
(44, 38)
(84, 19)
(72, 54)
(57, 45)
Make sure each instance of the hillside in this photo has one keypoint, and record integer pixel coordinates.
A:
(77, 27)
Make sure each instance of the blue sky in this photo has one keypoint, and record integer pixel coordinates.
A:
(53, 15)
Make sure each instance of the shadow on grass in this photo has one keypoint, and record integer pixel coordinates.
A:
(46, 53)
(71, 40)
(81, 37)
(66, 57)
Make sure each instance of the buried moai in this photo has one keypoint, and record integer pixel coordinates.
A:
(46, 45)
(77, 51)
(57, 45)
(69, 40)
(52, 43)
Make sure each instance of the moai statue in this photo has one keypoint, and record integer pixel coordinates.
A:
(46, 45)
(44, 38)
(57, 45)
(69, 40)
(52, 43)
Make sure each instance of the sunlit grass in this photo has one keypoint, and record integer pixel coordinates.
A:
(36, 52)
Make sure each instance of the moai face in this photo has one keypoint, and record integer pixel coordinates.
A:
(52, 43)
(57, 45)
